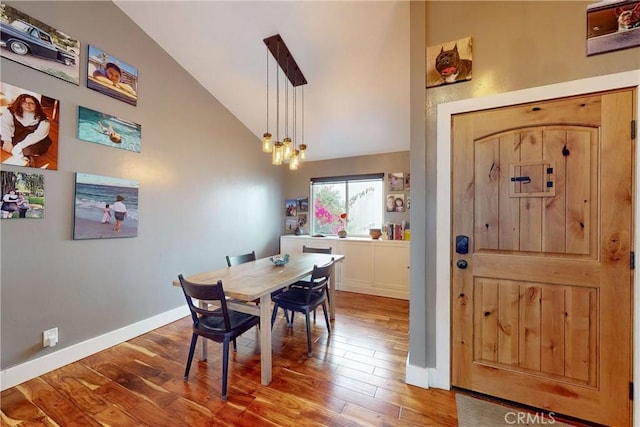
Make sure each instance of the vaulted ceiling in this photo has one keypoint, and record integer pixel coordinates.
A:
(354, 56)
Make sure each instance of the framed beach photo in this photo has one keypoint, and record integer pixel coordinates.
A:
(30, 124)
(105, 207)
(112, 76)
(612, 25)
(101, 128)
(290, 225)
(22, 195)
(39, 46)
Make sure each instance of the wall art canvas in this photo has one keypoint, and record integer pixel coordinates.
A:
(28, 128)
(449, 62)
(112, 76)
(37, 45)
(395, 181)
(290, 225)
(303, 205)
(291, 207)
(101, 128)
(105, 207)
(612, 25)
(22, 195)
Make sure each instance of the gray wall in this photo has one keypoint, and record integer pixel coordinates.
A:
(516, 45)
(202, 179)
(297, 182)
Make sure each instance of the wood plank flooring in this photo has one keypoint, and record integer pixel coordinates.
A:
(354, 378)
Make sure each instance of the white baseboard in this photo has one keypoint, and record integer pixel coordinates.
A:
(34, 368)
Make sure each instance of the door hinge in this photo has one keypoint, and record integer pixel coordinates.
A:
(633, 129)
(632, 260)
(631, 390)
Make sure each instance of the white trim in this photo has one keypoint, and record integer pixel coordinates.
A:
(36, 367)
(443, 201)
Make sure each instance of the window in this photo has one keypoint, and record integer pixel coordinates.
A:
(360, 197)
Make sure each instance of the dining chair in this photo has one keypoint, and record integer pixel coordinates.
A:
(220, 324)
(251, 256)
(312, 250)
(306, 296)
(240, 259)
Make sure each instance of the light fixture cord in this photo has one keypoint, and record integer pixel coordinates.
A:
(278, 94)
(267, 89)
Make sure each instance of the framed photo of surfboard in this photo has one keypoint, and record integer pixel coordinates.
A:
(112, 76)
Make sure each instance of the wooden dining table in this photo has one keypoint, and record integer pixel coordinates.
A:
(256, 280)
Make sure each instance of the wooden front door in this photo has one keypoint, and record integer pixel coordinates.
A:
(542, 300)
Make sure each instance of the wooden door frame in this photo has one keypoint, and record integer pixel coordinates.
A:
(440, 376)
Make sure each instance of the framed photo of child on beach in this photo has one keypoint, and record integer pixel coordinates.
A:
(105, 207)
(112, 76)
(101, 128)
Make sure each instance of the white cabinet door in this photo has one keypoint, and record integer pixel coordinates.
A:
(391, 270)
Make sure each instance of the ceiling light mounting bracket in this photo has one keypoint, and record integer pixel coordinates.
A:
(285, 60)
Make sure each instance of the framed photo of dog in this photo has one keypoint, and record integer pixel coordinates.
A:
(612, 25)
(449, 62)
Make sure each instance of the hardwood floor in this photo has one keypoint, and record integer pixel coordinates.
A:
(355, 378)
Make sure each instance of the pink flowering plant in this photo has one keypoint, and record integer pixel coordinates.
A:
(326, 220)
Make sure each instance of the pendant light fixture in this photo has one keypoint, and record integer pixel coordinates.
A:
(285, 150)
(267, 146)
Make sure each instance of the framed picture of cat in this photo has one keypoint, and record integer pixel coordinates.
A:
(449, 62)
(612, 25)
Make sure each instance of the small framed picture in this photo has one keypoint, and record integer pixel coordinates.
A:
(101, 128)
(302, 219)
(112, 76)
(407, 181)
(395, 202)
(303, 205)
(22, 195)
(291, 207)
(395, 181)
(290, 225)
(612, 25)
(450, 62)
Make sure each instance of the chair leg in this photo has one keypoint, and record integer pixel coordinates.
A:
(286, 316)
(306, 314)
(225, 367)
(314, 316)
(235, 346)
(274, 314)
(290, 321)
(192, 349)
(326, 316)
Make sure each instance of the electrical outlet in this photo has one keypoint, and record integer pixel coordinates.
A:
(50, 337)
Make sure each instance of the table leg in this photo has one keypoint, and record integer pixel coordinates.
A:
(332, 293)
(265, 339)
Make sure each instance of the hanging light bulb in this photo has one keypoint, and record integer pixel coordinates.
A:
(278, 153)
(294, 160)
(266, 137)
(303, 147)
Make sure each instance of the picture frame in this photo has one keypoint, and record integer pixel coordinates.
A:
(290, 225)
(612, 25)
(58, 53)
(302, 219)
(395, 181)
(112, 131)
(112, 76)
(407, 181)
(291, 207)
(94, 195)
(395, 202)
(26, 195)
(44, 153)
(450, 62)
(303, 204)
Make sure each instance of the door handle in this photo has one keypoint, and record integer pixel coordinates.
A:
(462, 264)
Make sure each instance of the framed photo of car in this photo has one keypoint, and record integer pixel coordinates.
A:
(27, 41)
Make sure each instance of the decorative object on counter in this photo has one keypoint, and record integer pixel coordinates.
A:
(279, 261)
(342, 233)
(375, 233)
